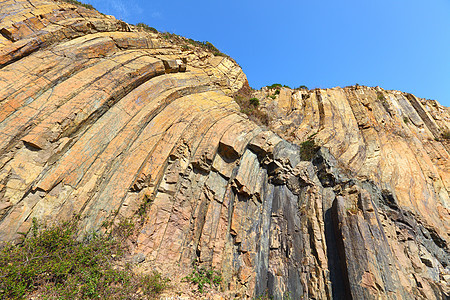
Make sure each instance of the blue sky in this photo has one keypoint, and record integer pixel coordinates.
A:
(395, 44)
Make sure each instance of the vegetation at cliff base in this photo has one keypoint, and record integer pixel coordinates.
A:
(52, 264)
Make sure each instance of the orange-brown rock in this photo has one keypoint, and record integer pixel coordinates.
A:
(101, 120)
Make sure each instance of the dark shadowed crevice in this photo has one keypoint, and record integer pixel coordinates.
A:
(6, 34)
(336, 255)
(334, 262)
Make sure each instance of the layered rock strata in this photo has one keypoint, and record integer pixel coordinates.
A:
(100, 120)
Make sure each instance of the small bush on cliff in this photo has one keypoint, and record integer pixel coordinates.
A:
(446, 135)
(203, 277)
(146, 27)
(51, 263)
(308, 149)
(250, 105)
(274, 86)
(254, 101)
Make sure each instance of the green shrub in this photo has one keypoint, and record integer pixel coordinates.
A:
(54, 264)
(143, 208)
(146, 27)
(406, 120)
(273, 96)
(254, 101)
(308, 149)
(203, 277)
(277, 86)
(153, 284)
(302, 87)
(277, 92)
(274, 86)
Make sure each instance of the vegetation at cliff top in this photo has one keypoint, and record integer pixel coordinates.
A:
(146, 27)
(277, 86)
(52, 264)
(184, 42)
(75, 2)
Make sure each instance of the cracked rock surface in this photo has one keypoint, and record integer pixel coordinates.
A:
(105, 121)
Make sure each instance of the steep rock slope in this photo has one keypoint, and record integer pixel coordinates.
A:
(101, 120)
(393, 145)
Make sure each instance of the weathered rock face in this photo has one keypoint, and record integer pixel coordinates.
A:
(387, 166)
(100, 120)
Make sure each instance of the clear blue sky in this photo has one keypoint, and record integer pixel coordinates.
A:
(396, 44)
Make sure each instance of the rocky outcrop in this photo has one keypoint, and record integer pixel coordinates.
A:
(101, 120)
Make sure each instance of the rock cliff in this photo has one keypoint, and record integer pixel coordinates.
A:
(104, 120)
